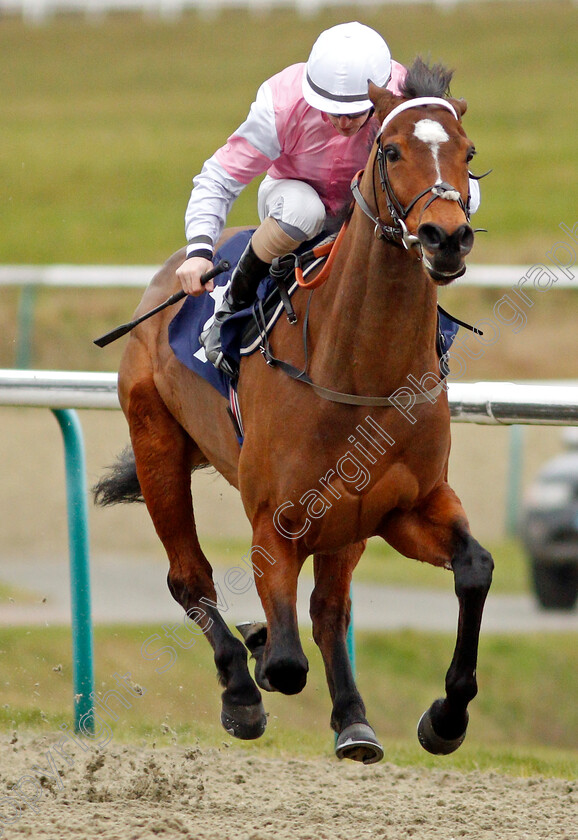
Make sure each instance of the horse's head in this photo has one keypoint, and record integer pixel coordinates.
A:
(421, 169)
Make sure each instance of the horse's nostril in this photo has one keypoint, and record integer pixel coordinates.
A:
(465, 238)
(431, 236)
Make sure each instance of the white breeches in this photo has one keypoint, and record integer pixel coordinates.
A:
(294, 205)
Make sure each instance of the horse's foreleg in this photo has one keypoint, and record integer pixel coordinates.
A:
(330, 615)
(442, 727)
(164, 456)
(438, 533)
(281, 664)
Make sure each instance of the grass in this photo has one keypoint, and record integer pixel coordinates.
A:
(382, 564)
(524, 721)
(10, 593)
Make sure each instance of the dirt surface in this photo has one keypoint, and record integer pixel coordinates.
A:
(222, 794)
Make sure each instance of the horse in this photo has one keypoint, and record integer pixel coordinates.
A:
(356, 447)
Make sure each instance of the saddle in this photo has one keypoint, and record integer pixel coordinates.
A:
(241, 334)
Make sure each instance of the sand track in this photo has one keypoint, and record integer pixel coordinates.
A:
(130, 793)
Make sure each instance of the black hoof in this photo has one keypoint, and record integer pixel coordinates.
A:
(254, 635)
(289, 676)
(260, 677)
(244, 722)
(434, 743)
(359, 743)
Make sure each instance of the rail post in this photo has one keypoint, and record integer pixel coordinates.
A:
(350, 638)
(82, 642)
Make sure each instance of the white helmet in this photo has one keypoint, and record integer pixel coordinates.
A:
(342, 61)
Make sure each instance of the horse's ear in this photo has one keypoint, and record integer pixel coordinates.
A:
(460, 105)
(383, 100)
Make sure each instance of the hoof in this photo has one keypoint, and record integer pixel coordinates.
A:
(254, 635)
(434, 743)
(244, 722)
(260, 677)
(358, 742)
(289, 676)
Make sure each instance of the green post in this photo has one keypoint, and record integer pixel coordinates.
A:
(350, 642)
(82, 645)
(350, 638)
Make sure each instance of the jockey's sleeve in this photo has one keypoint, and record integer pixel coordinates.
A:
(247, 153)
(213, 194)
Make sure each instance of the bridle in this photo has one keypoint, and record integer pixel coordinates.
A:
(398, 233)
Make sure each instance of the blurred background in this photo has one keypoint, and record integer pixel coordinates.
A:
(108, 112)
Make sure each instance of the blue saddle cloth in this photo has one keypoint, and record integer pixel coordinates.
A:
(196, 314)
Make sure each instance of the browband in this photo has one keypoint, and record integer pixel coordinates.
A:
(415, 103)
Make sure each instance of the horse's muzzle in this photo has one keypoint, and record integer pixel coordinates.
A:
(443, 253)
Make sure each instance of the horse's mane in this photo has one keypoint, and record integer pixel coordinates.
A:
(423, 80)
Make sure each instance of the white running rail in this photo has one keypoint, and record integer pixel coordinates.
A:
(497, 403)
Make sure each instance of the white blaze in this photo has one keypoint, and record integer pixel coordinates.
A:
(434, 134)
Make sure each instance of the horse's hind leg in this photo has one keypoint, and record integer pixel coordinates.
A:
(438, 533)
(164, 456)
(331, 614)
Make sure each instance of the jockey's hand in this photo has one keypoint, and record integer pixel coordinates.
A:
(190, 273)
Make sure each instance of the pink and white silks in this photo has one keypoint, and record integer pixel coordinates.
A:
(290, 141)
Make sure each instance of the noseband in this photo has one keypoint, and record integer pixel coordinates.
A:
(398, 232)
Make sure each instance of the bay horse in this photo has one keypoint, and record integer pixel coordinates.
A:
(359, 450)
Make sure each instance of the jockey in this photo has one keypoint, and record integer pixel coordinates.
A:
(310, 129)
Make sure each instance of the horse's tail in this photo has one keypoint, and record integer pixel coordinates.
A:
(120, 483)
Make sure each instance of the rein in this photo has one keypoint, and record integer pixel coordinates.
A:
(396, 235)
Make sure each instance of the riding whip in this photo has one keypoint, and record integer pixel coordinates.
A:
(111, 336)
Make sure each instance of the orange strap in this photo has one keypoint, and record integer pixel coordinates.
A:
(329, 250)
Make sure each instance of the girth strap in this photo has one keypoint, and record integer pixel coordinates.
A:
(404, 400)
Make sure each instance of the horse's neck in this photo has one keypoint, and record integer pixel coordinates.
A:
(375, 320)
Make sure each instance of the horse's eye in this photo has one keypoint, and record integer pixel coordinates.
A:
(392, 153)
(470, 154)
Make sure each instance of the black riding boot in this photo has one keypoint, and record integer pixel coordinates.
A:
(241, 293)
